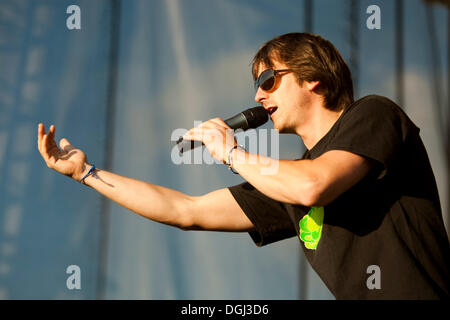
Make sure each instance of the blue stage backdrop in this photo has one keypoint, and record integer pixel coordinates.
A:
(120, 85)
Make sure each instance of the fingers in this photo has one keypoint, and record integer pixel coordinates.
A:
(208, 132)
(42, 142)
(65, 145)
(201, 134)
(51, 131)
(41, 132)
(215, 134)
(46, 145)
(212, 124)
(44, 150)
(220, 122)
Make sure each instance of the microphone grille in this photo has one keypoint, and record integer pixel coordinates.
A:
(256, 116)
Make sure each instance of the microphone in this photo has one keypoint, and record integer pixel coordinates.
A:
(248, 119)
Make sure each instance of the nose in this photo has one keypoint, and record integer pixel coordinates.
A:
(260, 95)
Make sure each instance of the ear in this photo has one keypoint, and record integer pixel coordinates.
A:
(311, 85)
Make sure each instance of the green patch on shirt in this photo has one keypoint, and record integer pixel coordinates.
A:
(311, 227)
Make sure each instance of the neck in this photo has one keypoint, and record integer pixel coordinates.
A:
(319, 122)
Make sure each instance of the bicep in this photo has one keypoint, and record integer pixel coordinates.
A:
(337, 171)
(218, 211)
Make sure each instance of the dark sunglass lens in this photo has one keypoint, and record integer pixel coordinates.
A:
(266, 80)
(268, 83)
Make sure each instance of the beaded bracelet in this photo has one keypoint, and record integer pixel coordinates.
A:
(230, 158)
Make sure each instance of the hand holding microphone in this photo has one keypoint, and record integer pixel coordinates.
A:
(211, 129)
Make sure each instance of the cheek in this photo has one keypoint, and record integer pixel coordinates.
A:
(300, 99)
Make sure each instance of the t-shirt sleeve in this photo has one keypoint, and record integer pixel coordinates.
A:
(375, 129)
(270, 218)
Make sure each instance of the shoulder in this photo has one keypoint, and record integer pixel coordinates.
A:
(379, 111)
(375, 104)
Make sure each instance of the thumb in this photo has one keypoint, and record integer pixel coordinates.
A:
(65, 145)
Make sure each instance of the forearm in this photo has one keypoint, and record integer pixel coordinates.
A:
(283, 180)
(154, 202)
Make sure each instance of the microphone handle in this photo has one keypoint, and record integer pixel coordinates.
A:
(186, 145)
(237, 122)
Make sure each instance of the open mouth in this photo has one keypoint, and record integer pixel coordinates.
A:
(271, 110)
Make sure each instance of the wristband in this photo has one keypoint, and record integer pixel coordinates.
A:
(230, 158)
(87, 174)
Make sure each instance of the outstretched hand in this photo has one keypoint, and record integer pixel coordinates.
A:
(68, 160)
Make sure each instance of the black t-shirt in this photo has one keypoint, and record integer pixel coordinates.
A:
(384, 238)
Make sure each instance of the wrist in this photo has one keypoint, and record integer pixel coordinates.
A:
(234, 155)
(91, 172)
(238, 155)
(82, 172)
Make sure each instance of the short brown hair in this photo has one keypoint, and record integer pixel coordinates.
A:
(313, 59)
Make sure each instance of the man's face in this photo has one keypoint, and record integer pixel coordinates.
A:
(288, 101)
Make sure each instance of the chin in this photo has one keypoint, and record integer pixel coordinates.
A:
(276, 127)
(281, 129)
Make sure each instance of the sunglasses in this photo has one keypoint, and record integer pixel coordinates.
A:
(266, 79)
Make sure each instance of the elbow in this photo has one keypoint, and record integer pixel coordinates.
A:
(185, 225)
(317, 197)
(189, 225)
(309, 198)
(181, 217)
(184, 228)
(314, 200)
(185, 220)
(312, 194)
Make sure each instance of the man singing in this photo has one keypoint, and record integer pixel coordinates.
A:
(363, 195)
